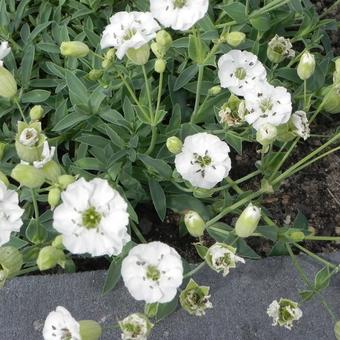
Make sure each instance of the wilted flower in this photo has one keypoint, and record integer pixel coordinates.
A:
(233, 112)
(5, 50)
(179, 14)
(93, 218)
(247, 222)
(195, 299)
(279, 48)
(300, 124)
(222, 257)
(60, 325)
(135, 327)
(268, 104)
(306, 66)
(129, 30)
(152, 272)
(46, 155)
(204, 160)
(284, 312)
(240, 71)
(10, 213)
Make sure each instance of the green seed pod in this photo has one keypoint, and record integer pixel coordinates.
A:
(266, 135)
(4, 179)
(139, 56)
(332, 99)
(306, 66)
(54, 197)
(337, 330)
(11, 261)
(194, 223)
(75, 49)
(90, 330)
(28, 176)
(8, 85)
(95, 74)
(49, 257)
(65, 180)
(174, 145)
(36, 112)
(214, 91)
(160, 65)
(164, 39)
(52, 171)
(248, 221)
(235, 38)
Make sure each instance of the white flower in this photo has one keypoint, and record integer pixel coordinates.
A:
(152, 272)
(135, 327)
(10, 213)
(29, 137)
(129, 30)
(60, 325)
(179, 14)
(284, 312)
(240, 72)
(300, 123)
(5, 50)
(221, 258)
(93, 218)
(268, 104)
(46, 156)
(204, 160)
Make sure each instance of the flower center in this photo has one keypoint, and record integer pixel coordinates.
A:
(152, 273)
(133, 329)
(91, 218)
(179, 3)
(266, 105)
(240, 73)
(203, 161)
(129, 33)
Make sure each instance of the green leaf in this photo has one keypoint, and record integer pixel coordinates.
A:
(245, 251)
(237, 11)
(201, 250)
(158, 198)
(143, 115)
(300, 222)
(221, 232)
(96, 98)
(26, 65)
(158, 165)
(234, 140)
(113, 275)
(322, 279)
(114, 137)
(306, 295)
(36, 232)
(268, 231)
(279, 249)
(159, 117)
(151, 309)
(77, 90)
(90, 164)
(185, 77)
(165, 309)
(70, 120)
(35, 96)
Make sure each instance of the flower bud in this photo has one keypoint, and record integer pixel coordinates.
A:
(337, 330)
(195, 299)
(174, 145)
(2, 150)
(135, 326)
(194, 223)
(248, 221)
(65, 180)
(58, 242)
(28, 176)
(108, 58)
(51, 171)
(95, 74)
(266, 134)
(36, 112)
(235, 38)
(279, 48)
(160, 65)
(11, 261)
(4, 179)
(8, 85)
(54, 197)
(158, 50)
(90, 330)
(49, 257)
(331, 99)
(75, 49)
(296, 236)
(306, 66)
(164, 39)
(139, 56)
(214, 91)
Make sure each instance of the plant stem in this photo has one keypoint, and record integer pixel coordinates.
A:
(20, 110)
(323, 238)
(160, 88)
(35, 204)
(198, 92)
(194, 271)
(148, 92)
(138, 232)
(153, 140)
(305, 95)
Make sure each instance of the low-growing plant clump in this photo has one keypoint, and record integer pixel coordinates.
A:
(109, 107)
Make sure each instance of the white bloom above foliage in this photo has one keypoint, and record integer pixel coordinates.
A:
(129, 30)
(240, 72)
(152, 272)
(284, 312)
(60, 325)
(46, 156)
(179, 14)
(92, 218)
(268, 104)
(300, 124)
(10, 213)
(5, 50)
(204, 160)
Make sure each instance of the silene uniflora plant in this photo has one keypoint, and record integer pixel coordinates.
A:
(108, 105)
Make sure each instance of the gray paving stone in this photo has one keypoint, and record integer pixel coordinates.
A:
(240, 301)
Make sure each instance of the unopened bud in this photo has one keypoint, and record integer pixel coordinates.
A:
(58, 242)
(194, 223)
(8, 85)
(296, 235)
(95, 74)
(235, 38)
(164, 39)
(306, 66)
(214, 91)
(90, 330)
(28, 176)
(54, 197)
(266, 134)
(139, 56)
(174, 145)
(160, 65)
(158, 50)
(248, 221)
(75, 49)
(36, 112)
(65, 180)
(49, 257)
